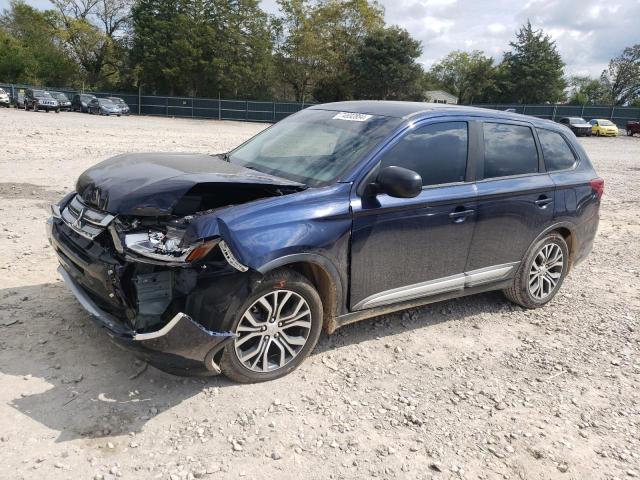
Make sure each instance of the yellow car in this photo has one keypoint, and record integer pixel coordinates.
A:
(603, 127)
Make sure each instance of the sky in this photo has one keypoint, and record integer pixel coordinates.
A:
(588, 33)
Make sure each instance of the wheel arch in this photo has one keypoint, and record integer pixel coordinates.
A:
(567, 231)
(324, 276)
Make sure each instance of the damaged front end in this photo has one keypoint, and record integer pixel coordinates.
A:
(155, 287)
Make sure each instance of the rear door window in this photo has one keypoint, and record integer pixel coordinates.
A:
(555, 150)
(508, 150)
(438, 152)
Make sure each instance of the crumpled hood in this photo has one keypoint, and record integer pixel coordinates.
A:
(152, 184)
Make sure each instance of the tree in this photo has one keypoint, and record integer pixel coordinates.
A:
(92, 32)
(585, 90)
(203, 47)
(32, 51)
(316, 41)
(534, 68)
(466, 75)
(622, 77)
(385, 67)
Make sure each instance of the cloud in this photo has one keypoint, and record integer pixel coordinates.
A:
(588, 33)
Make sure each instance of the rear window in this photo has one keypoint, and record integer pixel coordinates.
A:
(555, 150)
(508, 150)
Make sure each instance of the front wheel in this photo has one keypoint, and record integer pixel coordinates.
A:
(276, 329)
(540, 273)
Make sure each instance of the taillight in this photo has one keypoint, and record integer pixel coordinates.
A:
(597, 185)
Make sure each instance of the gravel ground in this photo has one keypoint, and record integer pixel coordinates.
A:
(474, 388)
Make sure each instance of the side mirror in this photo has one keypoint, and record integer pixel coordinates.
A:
(399, 182)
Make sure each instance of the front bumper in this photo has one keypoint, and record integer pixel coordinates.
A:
(609, 133)
(180, 345)
(580, 131)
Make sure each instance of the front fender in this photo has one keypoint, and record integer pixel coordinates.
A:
(308, 226)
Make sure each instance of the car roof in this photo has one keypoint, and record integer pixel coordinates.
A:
(421, 110)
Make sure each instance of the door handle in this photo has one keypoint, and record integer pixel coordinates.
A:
(460, 216)
(543, 201)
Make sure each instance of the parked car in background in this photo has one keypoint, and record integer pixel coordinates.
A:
(103, 106)
(40, 100)
(633, 127)
(578, 125)
(5, 101)
(603, 127)
(124, 108)
(18, 101)
(236, 262)
(63, 101)
(80, 102)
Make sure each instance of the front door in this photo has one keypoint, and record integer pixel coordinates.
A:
(406, 248)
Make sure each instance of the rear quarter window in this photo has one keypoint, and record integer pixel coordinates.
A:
(508, 150)
(555, 150)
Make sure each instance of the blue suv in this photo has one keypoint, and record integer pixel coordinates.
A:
(235, 263)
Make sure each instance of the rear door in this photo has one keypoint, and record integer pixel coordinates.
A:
(405, 248)
(515, 195)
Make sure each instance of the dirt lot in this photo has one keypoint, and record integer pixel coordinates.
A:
(473, 388)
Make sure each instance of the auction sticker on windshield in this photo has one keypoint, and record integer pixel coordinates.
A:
(353, 117)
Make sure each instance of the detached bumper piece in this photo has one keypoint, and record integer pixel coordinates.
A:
(180, 345)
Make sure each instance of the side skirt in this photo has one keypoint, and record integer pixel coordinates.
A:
(354, 317)
(452, 283)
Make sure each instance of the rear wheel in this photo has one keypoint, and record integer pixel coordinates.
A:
(276, 329)
(541, 272)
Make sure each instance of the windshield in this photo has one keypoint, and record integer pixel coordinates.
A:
(605, 123)
(576, 120)
(60, 96)
(313, 147)
(41, 94)
(119, 101)
(106, 102)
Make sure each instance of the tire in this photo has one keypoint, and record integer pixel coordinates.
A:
(530, 297)
(290, 288)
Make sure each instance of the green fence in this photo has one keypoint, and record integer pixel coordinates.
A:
(256, 111)
(188, 107)
(619, 115)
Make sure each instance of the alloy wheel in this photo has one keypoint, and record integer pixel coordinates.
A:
(546, 271)
(273, 331)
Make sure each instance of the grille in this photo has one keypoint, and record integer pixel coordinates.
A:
(85, 220)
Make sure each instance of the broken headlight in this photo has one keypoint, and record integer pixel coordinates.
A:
(167, 246)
